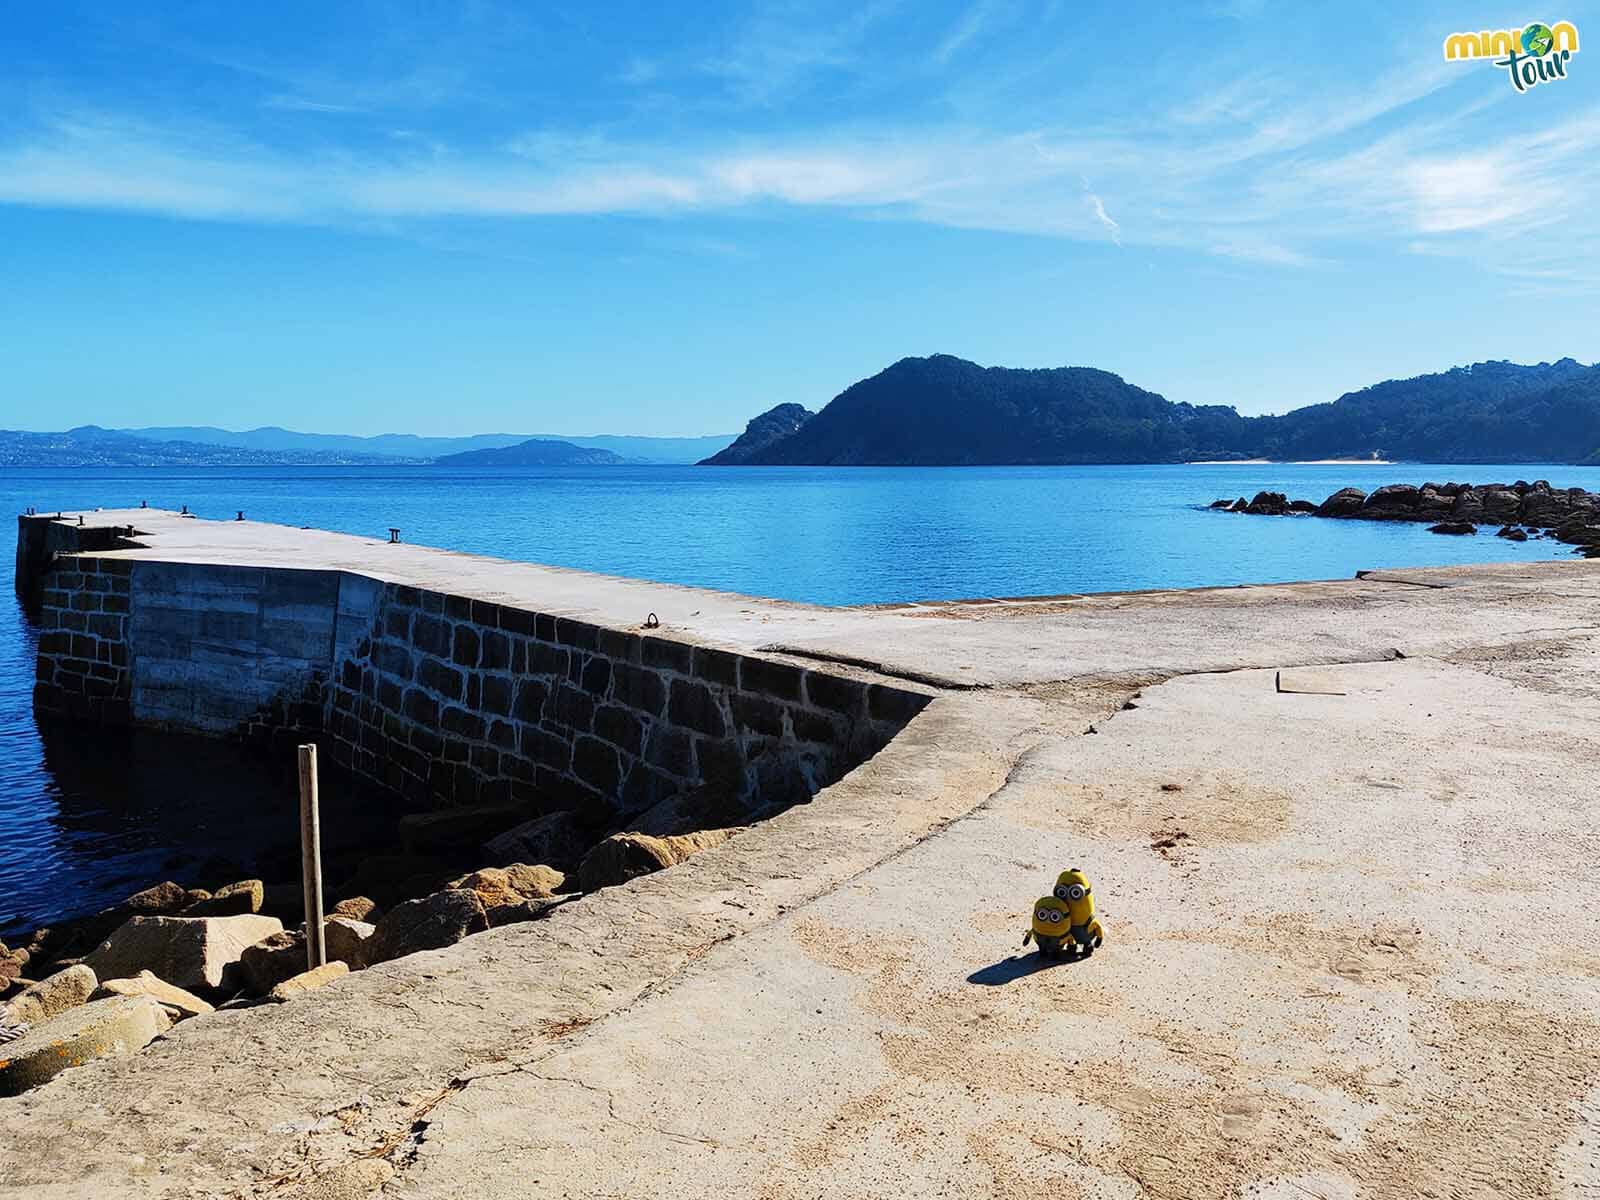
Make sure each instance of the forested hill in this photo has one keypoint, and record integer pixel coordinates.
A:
(762, 431)
(1488, 412)
(947, 411)
(944, 410)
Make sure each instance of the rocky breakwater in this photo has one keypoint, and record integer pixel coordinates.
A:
(108, 984)
(1521, 509)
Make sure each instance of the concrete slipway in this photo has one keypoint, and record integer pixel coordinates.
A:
(1352, 945)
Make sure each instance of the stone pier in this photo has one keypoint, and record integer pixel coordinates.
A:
(1341, 835)
(444, 697)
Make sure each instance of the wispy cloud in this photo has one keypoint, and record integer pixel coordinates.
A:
(772, 55)
(1265, 167)
(290, 103)
(1097, 206)
(968, 27)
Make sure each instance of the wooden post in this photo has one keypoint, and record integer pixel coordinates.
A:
(311, 858)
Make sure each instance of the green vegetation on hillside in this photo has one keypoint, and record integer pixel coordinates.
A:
(946, 411)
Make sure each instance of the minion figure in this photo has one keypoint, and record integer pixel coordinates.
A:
(1052, 926)
(1073, 892)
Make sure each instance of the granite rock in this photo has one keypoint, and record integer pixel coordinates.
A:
(110, 1028)
(175, 1000)
(625, 856)
(430, 923)
(52, 995)
(307, 981)
(187, 951)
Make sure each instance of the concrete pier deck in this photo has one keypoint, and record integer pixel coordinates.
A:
(1343, 835)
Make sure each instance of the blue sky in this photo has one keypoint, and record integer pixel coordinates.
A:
(465, 217)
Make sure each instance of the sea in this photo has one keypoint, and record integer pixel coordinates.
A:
(87, 816)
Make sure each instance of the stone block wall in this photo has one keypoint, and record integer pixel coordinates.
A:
(83, 669)
(227, 650)
(467, 702)
(40, 539)
(444, 699)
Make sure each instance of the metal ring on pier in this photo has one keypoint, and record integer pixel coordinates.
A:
(652, 621)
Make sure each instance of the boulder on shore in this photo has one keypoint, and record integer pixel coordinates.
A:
(110, 1028)
(1468, 505)
(244, 897)
(625, 856)
(347, 940)
(1582, 529)
(559, 839)
(1434, 505)
(76, 937)
(1393, 501)
(160, 900)
(307, 981)
(1268, 504)
(188, 951)
(50, 996)
(1501, 505)
(507, 892)
(692, 810)
(357, 908)
(174, 999)
(430, 923)
(1346, 502)
(1544, 507)
(265, 964)
(1453, 527)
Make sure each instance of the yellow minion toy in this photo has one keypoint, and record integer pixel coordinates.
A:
(1052, 925)
(1073, 893)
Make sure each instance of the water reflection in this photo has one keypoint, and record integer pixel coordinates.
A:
(121, 810)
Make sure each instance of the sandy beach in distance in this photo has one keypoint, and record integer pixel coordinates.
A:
(1291, 462)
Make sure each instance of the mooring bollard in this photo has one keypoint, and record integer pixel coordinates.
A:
(394, 535)
(184, 511)
(144, 504)
(240, 517)
(311, 858)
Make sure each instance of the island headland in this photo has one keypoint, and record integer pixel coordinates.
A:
(945, 411)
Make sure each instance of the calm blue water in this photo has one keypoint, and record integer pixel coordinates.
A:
(82, 824)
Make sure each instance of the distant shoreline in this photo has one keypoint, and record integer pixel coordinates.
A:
(1290, 462)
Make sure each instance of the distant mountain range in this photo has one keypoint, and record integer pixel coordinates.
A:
(91, 446)
(945, 411)
(203, 446)
(409, 447)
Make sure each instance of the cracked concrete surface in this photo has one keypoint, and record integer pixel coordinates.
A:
(1367, 967)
